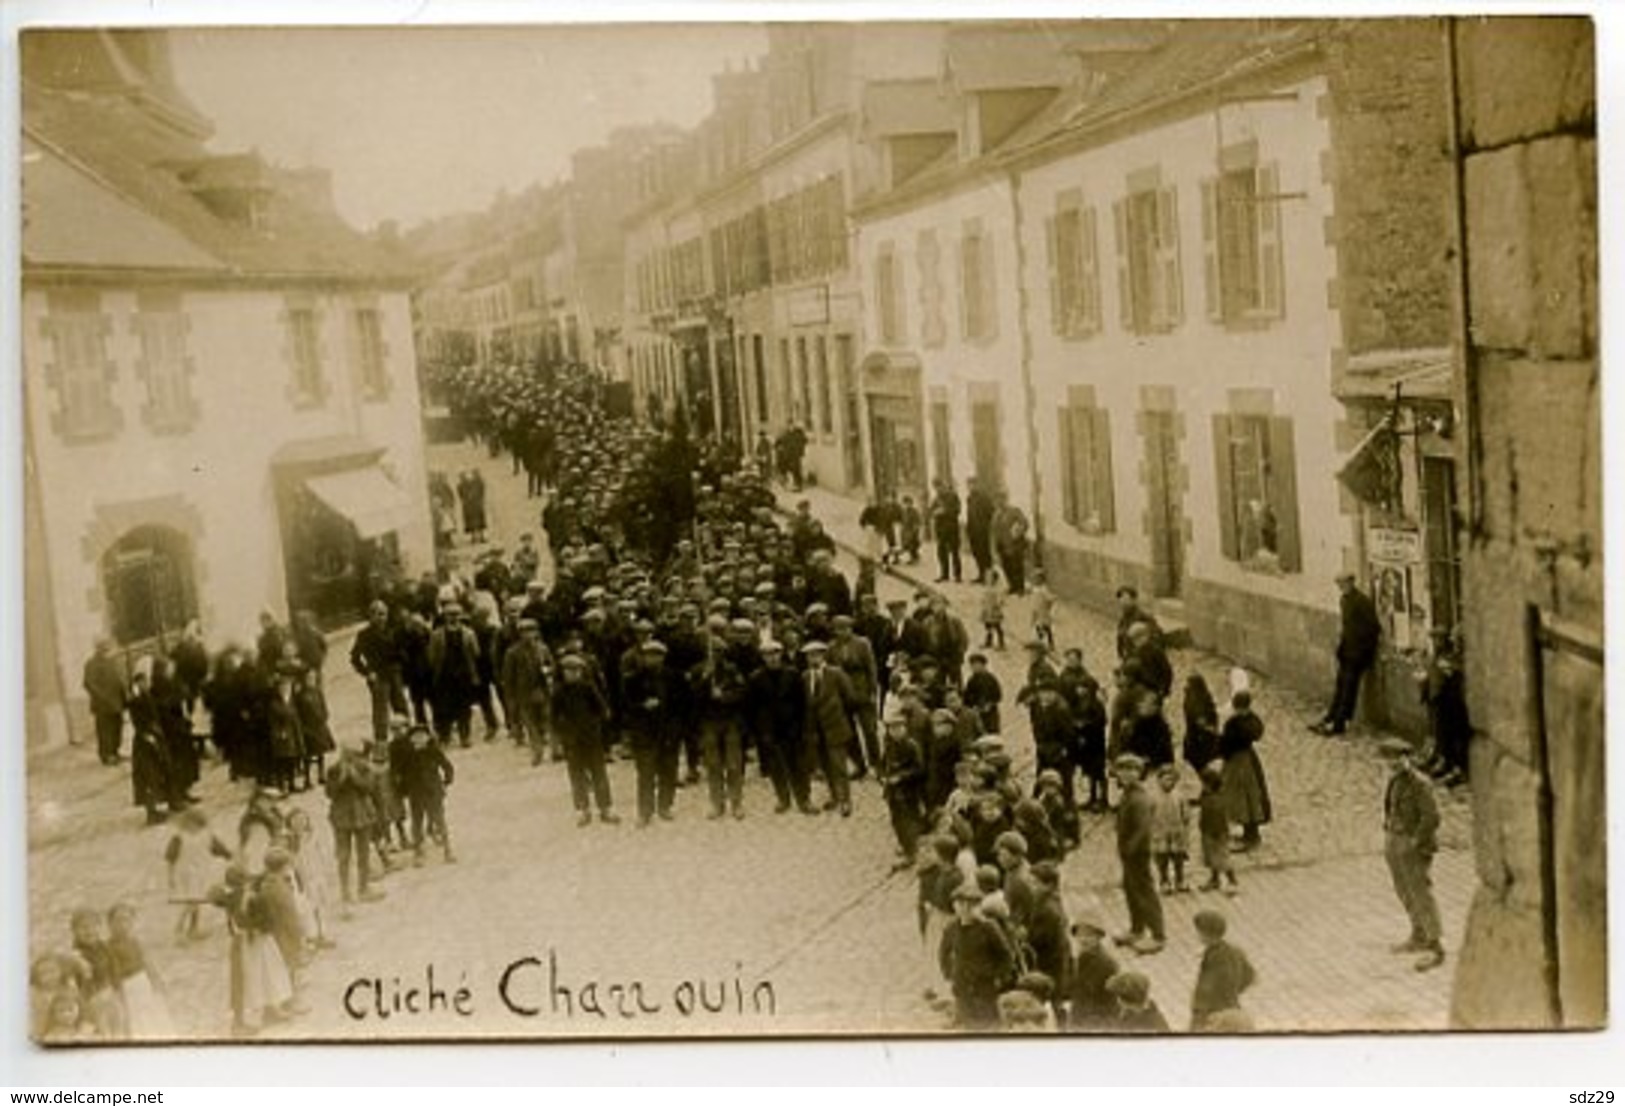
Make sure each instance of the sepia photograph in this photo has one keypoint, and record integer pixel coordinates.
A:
(870, 528)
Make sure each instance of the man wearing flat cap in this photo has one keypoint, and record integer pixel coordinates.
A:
(854, 656)
(527, 677)
(775, 704)
(647, 690)
(977, 960)
(827, 728)
(1361, 629)
(1146, 933)
(1410, 822)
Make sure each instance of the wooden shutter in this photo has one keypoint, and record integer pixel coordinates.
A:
(1057, 318)
(988, 285)
(1069, 480)
(1171, 300)
(1100, 469)
(1089, 271)
(1283, 494)
(1212, 287)
(1224, 477)
(884, 300)
(966, 246)
(1271, 286)
(899, 293)
(1125, 282)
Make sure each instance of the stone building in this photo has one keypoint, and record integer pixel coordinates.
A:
(221, 410)
(1535, 952)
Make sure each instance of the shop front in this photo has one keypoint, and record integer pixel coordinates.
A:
(340, 514)
(892, 391)
(1403, 473)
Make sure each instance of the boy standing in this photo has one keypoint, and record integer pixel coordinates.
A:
(902, 774)
(1134, 818)
(579, 716)
(427, 775)
(1225, 972)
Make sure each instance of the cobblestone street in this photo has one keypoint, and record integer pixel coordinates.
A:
(694, 910)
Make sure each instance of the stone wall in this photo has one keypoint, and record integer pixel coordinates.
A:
(1534, 954)
(1391, 170)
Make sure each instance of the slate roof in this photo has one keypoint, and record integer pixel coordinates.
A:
(112, 146)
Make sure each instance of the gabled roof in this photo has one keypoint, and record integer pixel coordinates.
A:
(115, 148)
(985, 59)
(894, 108)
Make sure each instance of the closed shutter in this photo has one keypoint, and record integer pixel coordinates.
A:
(883, 296)
(966, 246)
(1272, 300)
(1057, 322)
(1225, 477)
(1171, 307)
(1125, 282)
(899, 293)
(1283, 495)
(1212, 291)
(988, 278)
(1069, 481)
(1089, 252)
(1100, 469)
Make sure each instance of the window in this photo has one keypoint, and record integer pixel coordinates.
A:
(759, 360)
(371, 366)
(1074, 269)
(1087, 498)
(889, 297)
(1241, 244)
(1148, 280)
(147, 578)
(977, 318)
(804, 380)
(1258, 491)
(80, 371)
(305, 358)
(928, 258)
(165, 369)
(826, 405)
(786, 388)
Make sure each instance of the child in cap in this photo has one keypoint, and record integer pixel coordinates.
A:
(912, 525)
(1225, 973)
(1061, 815)
(1213, 822)
(1091, 1008)
(939, 877)
(1170, 830)
(427, 773)
(903, 778)
(1137, 1012)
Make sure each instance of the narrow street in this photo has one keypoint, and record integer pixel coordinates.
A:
(656, 924)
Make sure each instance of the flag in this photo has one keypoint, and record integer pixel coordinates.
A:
(1372, 470)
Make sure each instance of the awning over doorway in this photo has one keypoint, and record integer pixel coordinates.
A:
(366, 497)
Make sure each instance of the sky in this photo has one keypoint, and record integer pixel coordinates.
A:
(416, 123)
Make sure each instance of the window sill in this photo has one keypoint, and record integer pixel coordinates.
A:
(90, 435)
(1263, 564)
(1247, 324)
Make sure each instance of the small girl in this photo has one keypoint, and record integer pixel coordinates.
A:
(993, 610)
(97, 985)
(312, 860)
(1043, 609)
(49, 976)
(260, 988)
(65, 1020)
(144, 1005)
(1170, 830)
(190, 857)
(1213, 822)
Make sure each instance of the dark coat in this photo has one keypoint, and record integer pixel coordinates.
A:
(376, 652)
(979, 963)
(350, 794)
(1048, 937)
(1150, 737)
(1090, 1006)
(104, 683)
(1134, 817)
(1362, 629)
(1409, 810)
(1225, 973)
(426, 772)
(776, 702)
(579, 712)
(828, 708)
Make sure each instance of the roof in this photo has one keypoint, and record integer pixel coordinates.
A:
(1425, 374)
(1195, 57)
(113, 148)
(983, 59)
(892, 108)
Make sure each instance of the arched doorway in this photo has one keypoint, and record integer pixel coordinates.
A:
(147, 577)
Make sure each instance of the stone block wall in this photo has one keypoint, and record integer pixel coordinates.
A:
(1534, 953)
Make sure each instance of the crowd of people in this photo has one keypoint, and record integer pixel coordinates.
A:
(688, 627)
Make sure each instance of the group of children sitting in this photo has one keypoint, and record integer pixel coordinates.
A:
(101, 988)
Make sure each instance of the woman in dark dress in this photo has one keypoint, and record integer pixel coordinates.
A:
(174, 728)
(149, 759)
(1201, 746)
(1246, 791)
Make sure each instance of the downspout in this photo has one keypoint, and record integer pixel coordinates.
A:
(1029, 394)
